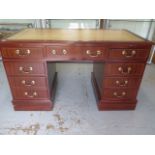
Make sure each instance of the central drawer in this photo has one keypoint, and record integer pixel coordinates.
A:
(25, 68)
(96, 53)
(60, 53)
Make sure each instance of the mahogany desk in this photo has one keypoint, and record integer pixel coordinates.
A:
(118, 56)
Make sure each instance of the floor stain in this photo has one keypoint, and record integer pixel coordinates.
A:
(62, 129)
(61, 123)
(60, 120)
(85, 90)
(58, 117)
(78, 121)
(31, 114)
(50, 126)
(32, 129)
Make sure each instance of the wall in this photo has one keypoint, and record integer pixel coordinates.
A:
(143, 27)
(72, 23)
(23, 23)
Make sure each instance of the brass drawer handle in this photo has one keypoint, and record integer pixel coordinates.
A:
(88, 52)
(22, 69)
(119, 96)
(23, 53)
(127, 55)
(64, 51)
(128, 71)
(54, 52)
(32, 83)
(122, 84)
(31, 96)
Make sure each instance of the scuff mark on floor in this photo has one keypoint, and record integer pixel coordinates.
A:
(78, 121)
(32, 129)
(50, 126)
(60, 120)
(85, 89)
(62, 129)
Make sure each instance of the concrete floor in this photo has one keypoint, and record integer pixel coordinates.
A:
(75, 110)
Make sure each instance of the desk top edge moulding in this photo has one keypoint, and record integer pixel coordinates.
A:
(119, 59)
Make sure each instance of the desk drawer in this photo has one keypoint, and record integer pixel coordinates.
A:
(63, 53)
(30, 93)
(112, 82)
(28, 82)
(94, 53)
(25, 68)
(76, 53)
(124, 69)
(22, 53)
(128, 54)
(119, 94)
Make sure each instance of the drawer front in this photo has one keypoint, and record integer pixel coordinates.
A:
(120, 94)
(25, 68)
(63, 53)
(121, 82)
(30, 93)
(94, 53)
(28, 82)
(76, 53)
(22, 53)
(128, 54)
(124, 69)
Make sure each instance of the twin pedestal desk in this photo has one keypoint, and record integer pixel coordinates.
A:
(119, 58)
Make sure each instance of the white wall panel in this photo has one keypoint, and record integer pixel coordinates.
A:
(140, 28)
(72, 23)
